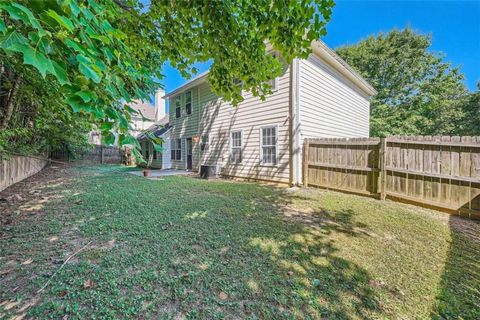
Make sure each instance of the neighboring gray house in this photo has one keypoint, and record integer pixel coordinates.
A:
(152, 157)
(318, 97)
(160, 128)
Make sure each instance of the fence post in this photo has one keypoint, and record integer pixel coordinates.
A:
(101, 154)
(383, 171)
(305, 163)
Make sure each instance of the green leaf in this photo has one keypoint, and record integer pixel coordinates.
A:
(61, 72)
(75, 46)
(39, 61)
(108, 138)
(63, 21)
(123, 122)
(74, 7)
(130, 140)
(14, 41)
(89, 73)
(3, 28)
(106, 126)
(87, 96)
(82, 59)
(77, 104)
(157, 147)
(112, 113)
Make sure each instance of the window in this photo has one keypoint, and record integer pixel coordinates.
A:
(178, 108)
(188, 102)
(268, 144)
(236, 146)
(204, 143)
(176, 149)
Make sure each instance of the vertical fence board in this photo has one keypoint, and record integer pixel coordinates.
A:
(438, 171)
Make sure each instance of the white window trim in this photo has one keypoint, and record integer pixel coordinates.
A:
(231, 145)
(276, 146)
(179, 98)
(185, 102)
(171, 149)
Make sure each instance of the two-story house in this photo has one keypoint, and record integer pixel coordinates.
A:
(316, 97)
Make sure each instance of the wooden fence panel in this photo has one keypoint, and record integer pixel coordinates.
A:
(98, 154)
(439, 171)
(343, 164)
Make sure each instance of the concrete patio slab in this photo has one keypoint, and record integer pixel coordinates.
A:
(161, 173)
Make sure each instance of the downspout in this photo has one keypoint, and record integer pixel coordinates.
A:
(298, 131)
(293, 124)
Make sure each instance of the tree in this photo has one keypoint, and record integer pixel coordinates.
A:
(93, 57)
(469, 125)
(418, 93)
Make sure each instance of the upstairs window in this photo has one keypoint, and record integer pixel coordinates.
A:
(268, 144)
(176, 149)
(188, 102)
(178, 107)
(236, 146)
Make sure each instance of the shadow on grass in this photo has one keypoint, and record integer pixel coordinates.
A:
(459, 296)
(189, 248)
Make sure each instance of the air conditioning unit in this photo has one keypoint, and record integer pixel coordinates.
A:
(209, 171)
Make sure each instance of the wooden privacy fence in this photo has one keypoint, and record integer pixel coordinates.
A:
(437, 171)
(98, 154)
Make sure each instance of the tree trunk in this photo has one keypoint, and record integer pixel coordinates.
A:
(12, 99)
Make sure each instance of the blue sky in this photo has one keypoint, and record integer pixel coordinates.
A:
(454, 26)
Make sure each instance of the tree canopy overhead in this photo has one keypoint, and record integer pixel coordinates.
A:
(418, 92)
(81, 61)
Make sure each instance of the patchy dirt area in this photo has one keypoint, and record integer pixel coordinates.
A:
(23, 200)
(40, 247)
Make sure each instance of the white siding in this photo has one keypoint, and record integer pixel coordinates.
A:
(166, 163)
(330, 105)
(218, 119)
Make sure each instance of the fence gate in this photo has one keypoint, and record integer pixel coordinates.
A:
(438, 171)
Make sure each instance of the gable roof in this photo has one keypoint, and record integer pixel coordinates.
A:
(158, 128)
(318, 47)
(202, 77)
(145, 107)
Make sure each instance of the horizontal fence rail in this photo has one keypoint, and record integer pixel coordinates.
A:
(97, 154)
(437, 171)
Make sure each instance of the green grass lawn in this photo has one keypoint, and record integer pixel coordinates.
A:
(182, 247)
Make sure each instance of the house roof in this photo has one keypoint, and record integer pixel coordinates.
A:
(202, 77)
(145, 107)
(158, 128)
(321, 49)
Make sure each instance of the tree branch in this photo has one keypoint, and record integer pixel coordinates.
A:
(12, 99)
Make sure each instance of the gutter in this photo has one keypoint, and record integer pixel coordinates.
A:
(189, 84)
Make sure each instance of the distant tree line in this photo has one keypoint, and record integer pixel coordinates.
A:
(419, 93)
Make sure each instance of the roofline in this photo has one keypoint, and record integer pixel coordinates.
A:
(321, 49)
(142, 135)
(202, 77)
